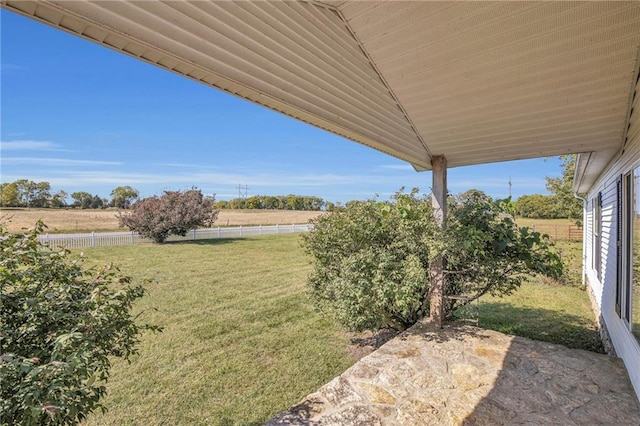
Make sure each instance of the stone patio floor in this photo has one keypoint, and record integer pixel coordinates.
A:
(464, 375)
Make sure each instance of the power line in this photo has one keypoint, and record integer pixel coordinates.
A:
(243, 191)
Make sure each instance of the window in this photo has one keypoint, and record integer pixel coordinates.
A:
(628, 280)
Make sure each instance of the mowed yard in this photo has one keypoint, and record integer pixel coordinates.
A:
(241, 341)
(99, 220)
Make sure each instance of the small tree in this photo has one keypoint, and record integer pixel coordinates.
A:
(371, 260)
(123, 197)
(82, 199)
(562, 188)
(174, 213)
(9, 195)
(59, 199)
(61, 323)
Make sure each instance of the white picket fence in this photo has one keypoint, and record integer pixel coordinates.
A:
(101, 239)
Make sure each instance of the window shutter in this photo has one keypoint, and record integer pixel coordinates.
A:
(599, 237)
(619, 254)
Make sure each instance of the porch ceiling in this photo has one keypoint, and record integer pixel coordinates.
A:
(478, 82)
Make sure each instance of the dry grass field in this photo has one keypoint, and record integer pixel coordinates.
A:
(72, 220)
(558, 229)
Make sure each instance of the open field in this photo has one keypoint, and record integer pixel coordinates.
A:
(77, 220)
(558, 229)
(241, 341)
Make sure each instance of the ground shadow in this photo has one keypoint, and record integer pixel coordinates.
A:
(459, 330)
(363, 343)
(547, 325)
(540, 383)
(467, 375)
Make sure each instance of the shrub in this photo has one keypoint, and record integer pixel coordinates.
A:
(60, 323)
(174, 213)
(371, 260)
(488, 253)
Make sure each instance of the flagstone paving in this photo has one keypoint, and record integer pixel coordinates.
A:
(464, 375)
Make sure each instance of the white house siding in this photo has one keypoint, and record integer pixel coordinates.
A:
(587, 247)
(603, 288)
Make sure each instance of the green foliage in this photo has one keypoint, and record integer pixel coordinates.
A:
(275, 202)
(25, 193)
(85, 200)
(174, 213)
(567, 206)
(123, 196)
(9, 195)
(561, 203)
(371, 260)
(59, 323)
(537, 206)
(486, 252)
(59, 199)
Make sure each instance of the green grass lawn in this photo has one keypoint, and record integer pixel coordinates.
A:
(241, 341)
(542, 311)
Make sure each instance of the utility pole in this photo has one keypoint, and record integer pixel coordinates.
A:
(509, 187)
(242, 194)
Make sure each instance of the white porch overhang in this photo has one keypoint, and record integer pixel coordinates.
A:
(476, 82)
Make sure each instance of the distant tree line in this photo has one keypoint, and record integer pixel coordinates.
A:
(560, 204)
(279, 202)
(27, 193)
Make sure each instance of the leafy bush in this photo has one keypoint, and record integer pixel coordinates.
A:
(371, 260)
(488, 253)
(174, 213)
(59, 323)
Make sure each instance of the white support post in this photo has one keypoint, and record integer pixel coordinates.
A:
(439, 203)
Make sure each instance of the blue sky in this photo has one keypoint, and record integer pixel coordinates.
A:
(86, 118)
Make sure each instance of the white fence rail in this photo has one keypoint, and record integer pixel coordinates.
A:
(101, 239)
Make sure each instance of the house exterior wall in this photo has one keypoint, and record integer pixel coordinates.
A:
(602, 278)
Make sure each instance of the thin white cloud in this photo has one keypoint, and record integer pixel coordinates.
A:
(342, 186)
(26, 145)
(496, 183)
(408, 167)
(55, 162)
(181, 165)
(255, 179)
